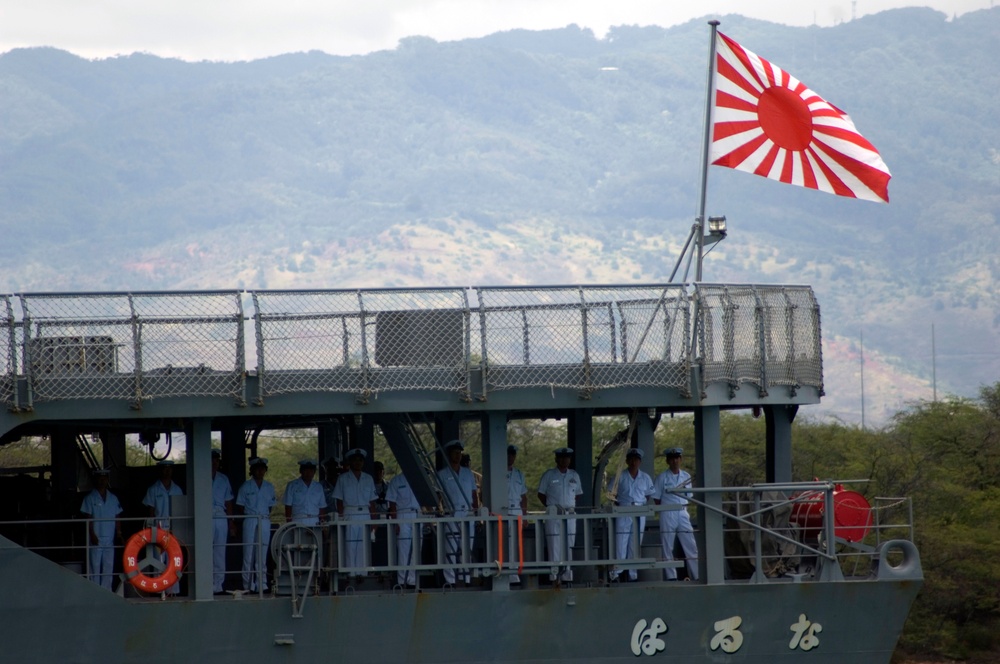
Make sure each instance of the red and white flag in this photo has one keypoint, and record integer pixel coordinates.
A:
(768, 123)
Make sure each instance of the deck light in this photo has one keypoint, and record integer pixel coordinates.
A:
(717, 226)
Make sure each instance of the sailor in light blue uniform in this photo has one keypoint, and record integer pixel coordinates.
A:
(254, 500)
(459, 486)
(403, 507)
(158, 495)
(675, 524)
(559, 488)
(102, 508)
(158, 501)
(631, 487)
(222, 524)
(304, 499)
(355, 496)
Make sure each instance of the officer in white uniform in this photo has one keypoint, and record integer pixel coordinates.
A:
(355, 496)
(254, 501)
(517, 492)
(403, 507)
(158, 501)
(222, 523)
(304, 499)
(675, 524)
(631, 487)
(559, 488)
(459, 486)
(101, 508)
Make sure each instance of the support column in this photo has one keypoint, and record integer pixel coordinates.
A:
(365, 439)
(708, 455)
(199, 499)
(494, 426)
(779, 442)
(642, 438)
(494, 435)
(113, 446)
(580, 436)
(329, 441)
(234, 456)
(446, 431)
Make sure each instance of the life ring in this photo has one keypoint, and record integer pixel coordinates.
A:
(171, 569)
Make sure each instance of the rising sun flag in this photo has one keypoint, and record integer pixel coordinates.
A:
(769, 123)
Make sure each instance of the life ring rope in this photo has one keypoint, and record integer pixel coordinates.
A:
(169, 572)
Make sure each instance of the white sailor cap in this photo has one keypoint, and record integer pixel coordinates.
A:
(673, 451)
(304, 463)
(165, 462)
(633, 452)
(355, 451)
(454, 443)
(564, 451)
(216, 452)
(512, 449)
(258, 461)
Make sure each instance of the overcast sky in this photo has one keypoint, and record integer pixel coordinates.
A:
(250, 29)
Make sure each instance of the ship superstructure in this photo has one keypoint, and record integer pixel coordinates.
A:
(787, 569)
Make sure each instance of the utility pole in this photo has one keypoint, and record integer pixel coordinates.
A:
(862, 380)
(933, 363)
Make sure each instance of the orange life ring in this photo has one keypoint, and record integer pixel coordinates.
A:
(165, 541)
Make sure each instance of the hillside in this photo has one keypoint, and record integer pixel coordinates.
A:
(523, 157)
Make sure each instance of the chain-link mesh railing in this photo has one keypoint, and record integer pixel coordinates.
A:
(584, 338)
(362, 342)
(761, 335)
(8, 354)
(133, 346)
(146, 345)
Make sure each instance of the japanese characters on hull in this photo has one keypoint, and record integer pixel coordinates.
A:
(648, 637)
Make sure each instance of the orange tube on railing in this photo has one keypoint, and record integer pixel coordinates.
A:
(520, 546)
(500, 541)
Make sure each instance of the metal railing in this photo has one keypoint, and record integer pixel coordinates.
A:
(140, 346)
(772, 533)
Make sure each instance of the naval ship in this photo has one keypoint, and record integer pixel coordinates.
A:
(789, 571)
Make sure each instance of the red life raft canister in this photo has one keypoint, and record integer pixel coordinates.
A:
(852, 513)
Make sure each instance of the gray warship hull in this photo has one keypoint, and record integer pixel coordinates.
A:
(220, 367)
(59, 616)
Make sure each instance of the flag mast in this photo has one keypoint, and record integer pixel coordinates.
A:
(705, 149)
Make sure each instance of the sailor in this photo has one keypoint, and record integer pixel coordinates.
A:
(459, 485)
(517, 492)
(304, 499)
(558, 490)
(675, 524)
(631, 487)
(254, 501)
(222, 524)
(157, 500)
(158, 495)
(331, 470)
(355, 496)
(404, 508)
(101, 508)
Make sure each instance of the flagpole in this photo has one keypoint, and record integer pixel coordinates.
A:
(705, 149)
